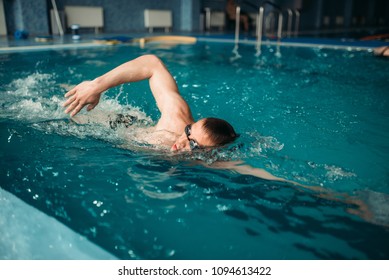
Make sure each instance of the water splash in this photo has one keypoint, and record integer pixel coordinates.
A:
(335, 173)
(35, 84)
(263, 144)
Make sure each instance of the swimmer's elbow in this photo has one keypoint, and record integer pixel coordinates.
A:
(153, 61)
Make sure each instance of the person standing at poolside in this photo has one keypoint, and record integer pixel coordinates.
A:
(176, 117)
(231, 14)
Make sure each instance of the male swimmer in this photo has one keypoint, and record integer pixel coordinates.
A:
(176, 124)
(176, 128)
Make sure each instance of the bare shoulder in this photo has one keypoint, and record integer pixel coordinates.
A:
(175, 115)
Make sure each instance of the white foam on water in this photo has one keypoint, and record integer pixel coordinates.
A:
(335, 173)
(33, 85)
(37, 100)
(263, 144)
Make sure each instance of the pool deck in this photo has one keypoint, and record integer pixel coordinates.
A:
(9, 44)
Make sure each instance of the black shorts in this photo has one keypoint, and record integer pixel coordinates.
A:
(122, 120)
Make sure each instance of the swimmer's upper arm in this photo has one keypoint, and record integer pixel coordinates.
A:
(174, 109)
(162, 83)
(163, 86)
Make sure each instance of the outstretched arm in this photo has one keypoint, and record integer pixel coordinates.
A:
(357, 206)
(150, 67)
(245, 169)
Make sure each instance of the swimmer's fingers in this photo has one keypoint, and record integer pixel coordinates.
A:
(72, 106)
(76, 89)
(69, 101)
(70, 92)
(76, 110)
(83, 94)
(76, 103)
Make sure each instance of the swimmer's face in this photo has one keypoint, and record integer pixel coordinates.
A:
(194, 133)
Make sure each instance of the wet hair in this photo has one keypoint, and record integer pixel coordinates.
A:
(219, 131)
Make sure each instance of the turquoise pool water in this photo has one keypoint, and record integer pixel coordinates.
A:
(315, 116)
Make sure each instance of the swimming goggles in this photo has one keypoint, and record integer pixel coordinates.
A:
(192, 143)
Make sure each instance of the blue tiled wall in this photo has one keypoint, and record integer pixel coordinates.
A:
(119, 15)
(127, 15)
(190, 11)
(26, 15)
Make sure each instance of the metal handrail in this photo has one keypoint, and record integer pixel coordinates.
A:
(260, 21)
(296, 23)
(207, 19)
(290, 20)
(237, 25)
(57, 19)
(259, 29)
(279, 32)
(280, 17)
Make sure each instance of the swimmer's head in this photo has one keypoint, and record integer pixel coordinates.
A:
(219, 131)
(205, 133)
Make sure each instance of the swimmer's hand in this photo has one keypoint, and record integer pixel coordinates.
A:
(86, 93)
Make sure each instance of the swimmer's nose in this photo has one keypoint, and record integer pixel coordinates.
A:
(178, 147)
(174, 148)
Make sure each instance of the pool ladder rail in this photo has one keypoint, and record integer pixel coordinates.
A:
(57, 19)
(260, 20)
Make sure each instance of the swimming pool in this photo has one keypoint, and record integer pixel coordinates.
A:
(315, 116)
